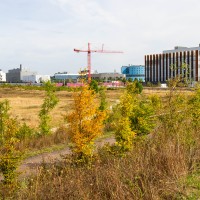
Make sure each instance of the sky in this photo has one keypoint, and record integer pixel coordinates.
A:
(42, 34)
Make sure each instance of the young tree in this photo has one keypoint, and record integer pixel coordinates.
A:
(9, 156)
(194, 106)
(124, 81)
(142, 116)
(4, 108)
(94, 86)
(103, 102)
(49, 103)
(134, 115)
(134, 87)
(85, 123)
(123, 133)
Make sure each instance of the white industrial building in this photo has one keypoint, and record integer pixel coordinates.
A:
(2, 76)
(35, 78)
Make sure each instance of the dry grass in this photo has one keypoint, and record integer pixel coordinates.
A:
(60, 136)
(25, 104)
(156, 168)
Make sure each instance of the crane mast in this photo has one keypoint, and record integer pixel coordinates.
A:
(89, 51)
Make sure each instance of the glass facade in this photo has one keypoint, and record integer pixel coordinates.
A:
(134, 72)
(60, 76)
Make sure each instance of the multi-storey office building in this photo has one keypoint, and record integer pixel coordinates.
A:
(172, 63)
(134, 72)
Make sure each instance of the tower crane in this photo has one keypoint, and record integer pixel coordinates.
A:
(89, 51)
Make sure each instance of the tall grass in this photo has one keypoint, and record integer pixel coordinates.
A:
(152, 170)
(157, 167)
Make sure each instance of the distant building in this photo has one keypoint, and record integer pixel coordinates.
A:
(2, 76)
(64, 76)
(16, 75)
(36, 78)
(134, 72)
(108, 76)
(169, 64)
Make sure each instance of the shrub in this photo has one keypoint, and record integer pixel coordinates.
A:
(9, 156)
(25, 132)
(94, 86)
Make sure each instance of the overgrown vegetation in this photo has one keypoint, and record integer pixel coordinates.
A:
(9, 155)
(49, 103)
(157, 140)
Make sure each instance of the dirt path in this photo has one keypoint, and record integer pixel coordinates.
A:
(30, 165)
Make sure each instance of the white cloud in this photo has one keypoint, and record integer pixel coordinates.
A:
(43, 33)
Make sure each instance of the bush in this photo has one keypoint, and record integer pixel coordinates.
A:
(9, 156)
(25, 132)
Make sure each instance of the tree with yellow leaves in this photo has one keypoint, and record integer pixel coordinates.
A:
(85, 123)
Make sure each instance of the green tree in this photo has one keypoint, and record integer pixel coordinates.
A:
(181, 80)
(130, 80)
(136, 112)
(124, 81)
(9, 155)
(49, 103)
(142, 116)
(103, 102)
(94, 85)
(4, 108)
(194, 107)
(134, 87)
(124, 135)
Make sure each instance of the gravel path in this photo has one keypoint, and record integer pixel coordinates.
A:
(30, 165)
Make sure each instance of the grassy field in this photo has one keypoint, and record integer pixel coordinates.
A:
(25, 104)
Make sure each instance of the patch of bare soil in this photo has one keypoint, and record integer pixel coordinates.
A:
(30, 165)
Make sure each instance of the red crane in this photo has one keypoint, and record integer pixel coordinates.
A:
(89, 51)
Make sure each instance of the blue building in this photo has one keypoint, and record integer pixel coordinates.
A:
(134, 72)
(65, 76)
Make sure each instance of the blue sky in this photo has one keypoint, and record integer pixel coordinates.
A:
(41, 34)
